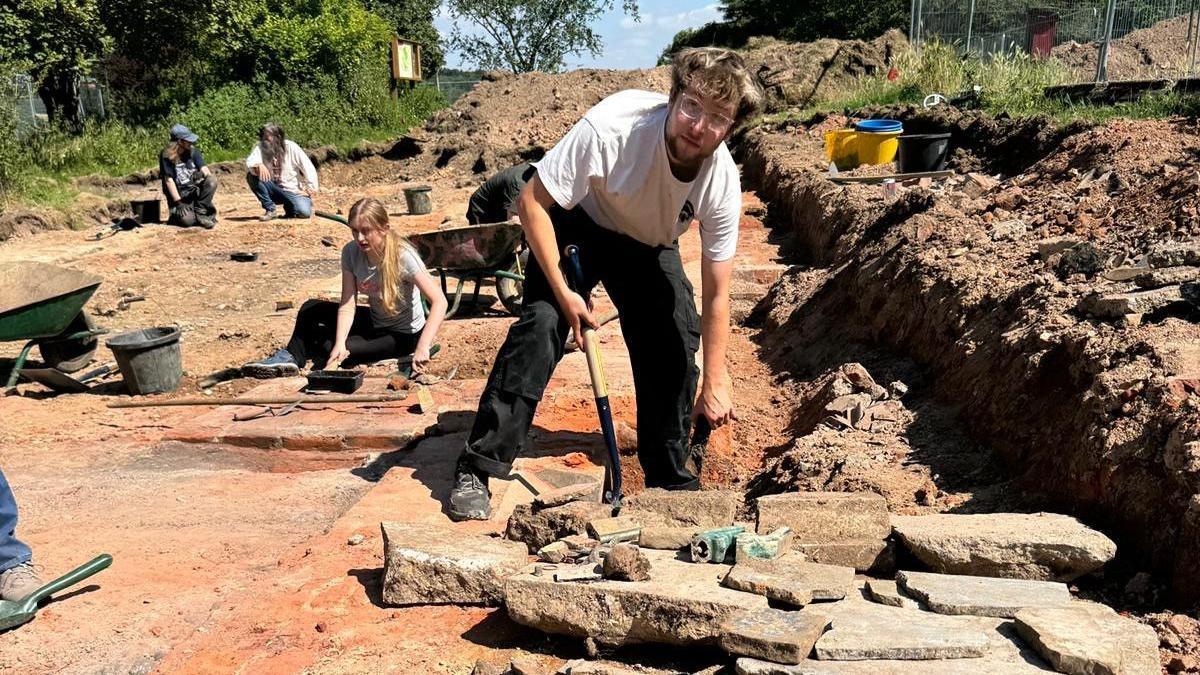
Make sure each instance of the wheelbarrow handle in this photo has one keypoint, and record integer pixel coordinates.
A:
(67, 580)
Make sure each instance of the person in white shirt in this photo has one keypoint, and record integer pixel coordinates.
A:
(279, 172)
(623, 184)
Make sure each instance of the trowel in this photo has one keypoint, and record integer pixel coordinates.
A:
(13, 614)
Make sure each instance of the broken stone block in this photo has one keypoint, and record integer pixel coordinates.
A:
(682, 604)
(554, 552)
(838, 528)
(1008, 230)
(1175, 254)
(819, 517)
(850, 411)
(613, 530)
(584, 492)
(763, 546)
(426, 564)
(527, 665)
(539, 527)
(625, 562)
(682, 508)
(1051, 247)
(791, 579)
(981, 596)
(885, 592)
(1086, 638)
(1166, 277)
(774, 635)
(1041, 546)
(666, 538)
(865, 630)
(1117, 305)
(1082, 258)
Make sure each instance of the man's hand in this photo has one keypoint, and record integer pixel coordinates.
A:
(715, 404)
(262, 172)
(578, 315)
(339, 354)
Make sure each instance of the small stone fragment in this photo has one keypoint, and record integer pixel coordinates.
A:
(774, 635)
(666, 538)
(587, 492)
(791, 579)
(554, 552)
(1082, 258)
(626, 562)
(355, 539)
(526, 665)
(613, 530)
(1175, 254)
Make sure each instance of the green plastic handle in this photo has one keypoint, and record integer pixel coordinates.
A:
(331, 216)
(67, 580)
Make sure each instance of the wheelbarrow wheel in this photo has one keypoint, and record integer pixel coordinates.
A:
(511, 291)
(70, 355)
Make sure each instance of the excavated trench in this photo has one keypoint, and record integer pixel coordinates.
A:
(967, 284)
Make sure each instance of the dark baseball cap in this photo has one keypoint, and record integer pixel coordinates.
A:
(182, 133)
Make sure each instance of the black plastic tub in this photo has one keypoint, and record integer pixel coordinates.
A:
(923, 152)
(150, 359)
(339, 381)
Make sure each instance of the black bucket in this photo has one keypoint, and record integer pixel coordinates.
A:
(150, 359)
(923, 152)
(146, 210)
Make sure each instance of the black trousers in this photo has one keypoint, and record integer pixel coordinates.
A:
(195, 201)
(316, 329)
(662, 332)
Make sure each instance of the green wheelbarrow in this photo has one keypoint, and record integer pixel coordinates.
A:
(43, 304)
(474, 253)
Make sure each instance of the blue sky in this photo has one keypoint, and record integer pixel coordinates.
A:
(630, 44)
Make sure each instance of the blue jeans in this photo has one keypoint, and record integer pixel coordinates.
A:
(12, 551)
(269, 194)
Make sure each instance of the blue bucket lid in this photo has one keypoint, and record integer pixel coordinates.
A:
(879, 126)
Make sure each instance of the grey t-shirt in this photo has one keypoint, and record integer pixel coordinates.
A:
(410, 314)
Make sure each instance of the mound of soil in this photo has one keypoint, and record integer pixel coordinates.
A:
(1095, 416)
(1148, 53)
(798, 74)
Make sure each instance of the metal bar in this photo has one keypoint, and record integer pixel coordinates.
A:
(1102, 64)
(970, 24)
(262, 400)
(912, 22)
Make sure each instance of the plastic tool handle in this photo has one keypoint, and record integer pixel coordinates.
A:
(331, 216)
(67, 580)
(573, 268)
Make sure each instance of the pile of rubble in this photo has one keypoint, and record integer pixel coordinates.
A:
(781, 594)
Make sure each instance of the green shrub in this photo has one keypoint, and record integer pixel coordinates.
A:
(14, 161)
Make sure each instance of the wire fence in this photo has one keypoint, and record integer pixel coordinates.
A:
(1097, 40)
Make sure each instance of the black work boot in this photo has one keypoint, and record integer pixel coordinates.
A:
(470, 498)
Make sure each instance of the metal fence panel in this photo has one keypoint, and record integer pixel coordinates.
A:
(1095, 39)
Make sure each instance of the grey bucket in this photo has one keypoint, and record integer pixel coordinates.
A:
(150, 359)
(419, 200)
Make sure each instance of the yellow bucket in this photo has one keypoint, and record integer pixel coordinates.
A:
(877, 148)
(841, 148)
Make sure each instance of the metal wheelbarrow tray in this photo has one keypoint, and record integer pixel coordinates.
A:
(474, 253)
(39, 301)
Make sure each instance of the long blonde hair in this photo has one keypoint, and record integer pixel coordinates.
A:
(370, 212)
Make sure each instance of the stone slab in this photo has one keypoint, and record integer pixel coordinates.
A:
(1041, 546)
(666, 538)
(1117, 305)
(981, 596)
(864, 631)
(774, 635)
(826, 517)
(683, 508)
(862, 555)
(885, 592)
(791, 579)
(1090, 639)
(427, 564)
(682, 604)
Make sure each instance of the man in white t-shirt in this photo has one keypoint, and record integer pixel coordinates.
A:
(280, 172)
(623, 184)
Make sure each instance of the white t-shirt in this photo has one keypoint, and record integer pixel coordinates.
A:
(295, 166)
(613, 164)
(410, 313)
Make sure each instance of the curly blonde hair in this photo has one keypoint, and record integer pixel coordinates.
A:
(718, 74)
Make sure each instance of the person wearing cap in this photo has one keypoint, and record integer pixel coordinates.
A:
(186, 181)
(279, 172)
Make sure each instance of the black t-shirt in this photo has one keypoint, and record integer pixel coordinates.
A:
(179, 171)
(497, 197)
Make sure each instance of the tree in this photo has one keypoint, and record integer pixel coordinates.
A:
(57, 41)
(528, 35)
(413, 20)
